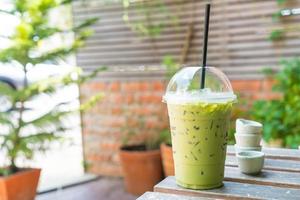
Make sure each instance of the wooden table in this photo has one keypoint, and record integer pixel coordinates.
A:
(280, 179)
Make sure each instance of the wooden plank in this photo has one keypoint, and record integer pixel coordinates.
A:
(152, 58)
(156, 74)
(216, 28)
(98, 40)
(98, 6)
(217, 20)
(275, 153)
(260, 56)
(266, 177)
(270, 164)
(164, 196)
(230, 190)
(143, 45)
(238, 36)
(217, 10)
(184, 16)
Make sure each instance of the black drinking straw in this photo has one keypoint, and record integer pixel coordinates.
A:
(205, 39)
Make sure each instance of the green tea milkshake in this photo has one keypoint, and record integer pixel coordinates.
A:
(199, 132)
(199, 123)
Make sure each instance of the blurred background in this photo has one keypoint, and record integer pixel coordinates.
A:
(142, 43)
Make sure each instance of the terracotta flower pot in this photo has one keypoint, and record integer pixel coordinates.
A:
(142, 169)
(167, 159)
(20, 186)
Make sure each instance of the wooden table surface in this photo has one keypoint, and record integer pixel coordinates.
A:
(280, 179)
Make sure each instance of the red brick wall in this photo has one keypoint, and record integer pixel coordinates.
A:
(103, 126)
(254, 89)
(129, 101)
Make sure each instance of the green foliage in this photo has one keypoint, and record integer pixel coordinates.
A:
(268, 72)
(131, 132)
(280, 2)
(281, 116)
(280, 33)
(276, 16)
(170, 65)
(16, 140)
(144, 26)
(21, 138)
(165, 136)
(86, 165)
(277, 34)
(34, 29)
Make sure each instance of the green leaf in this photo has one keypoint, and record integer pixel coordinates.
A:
(5, 172)
(269, 72)
(171, 66)
(83, 78)
(165, 136)
(39, 138)
(91, 102)
(8, 91)
(86, 23)
(276, 35)
(280, 2)
(51, 118)
(10, 12)
(66, 2)
(276, 16)
(5, 119)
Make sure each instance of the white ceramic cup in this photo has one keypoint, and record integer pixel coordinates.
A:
(250, 162)
(247, 140)
(239, 149)
(244, 126)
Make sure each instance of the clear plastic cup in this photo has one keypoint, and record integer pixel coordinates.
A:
(199, 123)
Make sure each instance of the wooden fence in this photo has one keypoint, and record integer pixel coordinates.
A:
(238, 42)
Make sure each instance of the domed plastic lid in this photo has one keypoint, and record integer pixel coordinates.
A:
(184, 87)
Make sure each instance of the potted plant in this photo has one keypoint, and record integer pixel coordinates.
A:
(282, 118)
(167, 153)
(140, 158)
(22, 136)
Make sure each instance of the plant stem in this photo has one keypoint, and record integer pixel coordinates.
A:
(16, 140)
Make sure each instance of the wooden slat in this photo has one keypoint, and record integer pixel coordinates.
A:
(164, 196)
(96, 5)
(232, 10)
(275, 153)
(230, 190)
(233, 21)
(270, 164)
(266, 177)
(142, 59)
(143, 46)
(262, 56)
(216, 28)
(238, 41)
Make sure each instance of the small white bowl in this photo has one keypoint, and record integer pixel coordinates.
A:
(250, 162)
(239, 149)
(244, 126)
(247, 140)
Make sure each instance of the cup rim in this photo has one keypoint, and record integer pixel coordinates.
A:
(250, 154)
(251, 123)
